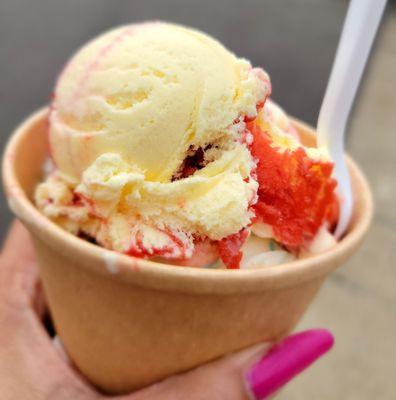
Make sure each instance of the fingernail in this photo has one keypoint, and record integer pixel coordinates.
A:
(287, 359)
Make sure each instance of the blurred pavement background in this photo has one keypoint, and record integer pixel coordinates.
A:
(358, 302)
(294, 41)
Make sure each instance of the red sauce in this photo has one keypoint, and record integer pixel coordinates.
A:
(230, 249)
(296, 194)
(205, 253)
(138, 248)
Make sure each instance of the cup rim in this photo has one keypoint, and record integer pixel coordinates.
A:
(167, 276)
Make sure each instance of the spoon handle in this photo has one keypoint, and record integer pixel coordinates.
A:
(360, 26)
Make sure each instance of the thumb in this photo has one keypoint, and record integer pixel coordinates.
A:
(254, 373)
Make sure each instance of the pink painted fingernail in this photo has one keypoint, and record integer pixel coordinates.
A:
(287, 359)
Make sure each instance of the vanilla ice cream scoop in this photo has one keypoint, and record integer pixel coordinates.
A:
(149, 92)
(148, 136)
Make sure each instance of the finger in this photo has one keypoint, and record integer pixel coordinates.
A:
(18, 270)
(19, 283)
(17, 246)
(18, 261)
(251, 374)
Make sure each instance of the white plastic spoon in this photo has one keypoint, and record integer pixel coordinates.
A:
(357, 36)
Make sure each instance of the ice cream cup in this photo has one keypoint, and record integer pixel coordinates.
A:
(127, 322)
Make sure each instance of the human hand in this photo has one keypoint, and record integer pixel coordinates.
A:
(32, 367)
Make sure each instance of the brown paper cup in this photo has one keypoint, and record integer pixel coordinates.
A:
(127, 322)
